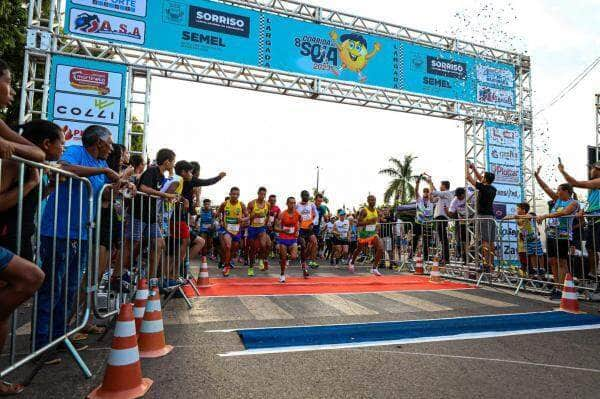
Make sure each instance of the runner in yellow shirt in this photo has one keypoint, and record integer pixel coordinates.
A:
(368, 236)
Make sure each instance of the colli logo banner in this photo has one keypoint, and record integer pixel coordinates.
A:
(86, 108)
(107, 26)
(87, 79)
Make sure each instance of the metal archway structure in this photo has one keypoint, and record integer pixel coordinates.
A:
(46, 39)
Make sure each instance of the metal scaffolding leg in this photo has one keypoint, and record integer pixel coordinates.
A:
(474, 153)
(138, 110)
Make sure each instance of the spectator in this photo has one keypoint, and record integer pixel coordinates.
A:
(50, 139)
(21, 278)
(147, 226)
(423, 220)
(559, 229)
(485, 212)
(139, 165)
(592, 213)
(64, 232)
(458, 210)
(442, 199)
(529, 245)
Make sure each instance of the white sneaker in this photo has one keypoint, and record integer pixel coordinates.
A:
(376, 272)
(351, 267)
(282, 278)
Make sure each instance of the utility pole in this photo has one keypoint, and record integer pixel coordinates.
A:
(318, 170)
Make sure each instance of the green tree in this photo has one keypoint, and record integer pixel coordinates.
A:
(137, 141)
(315, 192)
(400, 187)
(13, 19)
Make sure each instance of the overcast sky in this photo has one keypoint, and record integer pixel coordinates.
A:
(278, 141)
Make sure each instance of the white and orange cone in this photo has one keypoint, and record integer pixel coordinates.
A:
(139, 307)
(569, 301)
(419, 271)
(152, 335)
(123, 376)
(434, 274)
(203, 280)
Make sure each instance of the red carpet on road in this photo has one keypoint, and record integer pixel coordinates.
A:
(323, 285)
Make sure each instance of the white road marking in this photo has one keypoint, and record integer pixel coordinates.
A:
(344, 305)
(484, 359)
(477, 299)
(419, 303)
(263, 308)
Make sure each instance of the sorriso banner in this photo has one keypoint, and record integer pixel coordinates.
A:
(214, 30)
(85, 92)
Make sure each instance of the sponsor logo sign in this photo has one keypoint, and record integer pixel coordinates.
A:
(219, 21)
(174, 12)
(87, 108)
(88, 81)
(503, 136)
(133, 7)
(506, 174)
(73, 130)
(107, 27)
(496, 97)
(508, 194)
(447, 68)
(504, 155)
(495, 76)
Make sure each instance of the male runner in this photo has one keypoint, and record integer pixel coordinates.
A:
(232, 213)
(367, 235)
(323, 214)
(307, 238)
(207, 225)
(273, 215)
(259, 243)
(287, 225)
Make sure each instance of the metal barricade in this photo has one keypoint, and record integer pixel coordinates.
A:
(48, 224)
(138, 236)
(396, 238)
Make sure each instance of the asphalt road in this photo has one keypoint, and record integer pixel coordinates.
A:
(551, 365)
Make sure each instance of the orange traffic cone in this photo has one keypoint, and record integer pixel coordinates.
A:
(152, 334)
(203, 280)
(434, 274)
(139, 307)
(569, 301)
(419, 271)
(123, 376)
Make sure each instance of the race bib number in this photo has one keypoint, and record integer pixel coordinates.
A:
(289, 230)
(206, 225)
(306, 217)
(259, 220)
(370, 228)
(233, 228)
(271, 219)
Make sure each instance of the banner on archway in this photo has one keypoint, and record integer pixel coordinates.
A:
(223, 32)
(85, 92)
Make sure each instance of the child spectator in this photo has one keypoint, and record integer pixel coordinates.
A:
(529, 245)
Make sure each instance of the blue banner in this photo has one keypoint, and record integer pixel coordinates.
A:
(214, 30)
(84, 92)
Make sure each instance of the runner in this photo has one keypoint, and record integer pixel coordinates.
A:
(207, 225)
(273, 214)
(287, 225)
(232, 213)
(341, 236)
(323, 214)
(307, 238)
(258, 240)
(367, 235)
(329, 240)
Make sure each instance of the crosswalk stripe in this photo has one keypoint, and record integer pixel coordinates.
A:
(208, 310)
(477, 299)
(413, 301)
(263, 308)
(344, 305)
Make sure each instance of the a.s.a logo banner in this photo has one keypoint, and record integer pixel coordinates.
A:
(106, 27)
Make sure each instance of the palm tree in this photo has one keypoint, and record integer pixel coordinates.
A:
(400, 187)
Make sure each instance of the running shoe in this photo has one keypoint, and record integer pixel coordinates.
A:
(375, 272)
(305, 272)
(250, 272)
(266, 263)
(351, 267)
(555, 295)
(231, 265)
(261, 265)
(313, 264)
(226, 271)
(220, 265)
(282, 278)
